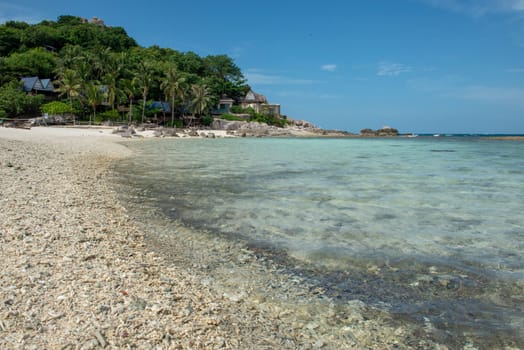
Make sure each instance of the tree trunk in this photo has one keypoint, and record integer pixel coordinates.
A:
(71, 108)
(130, 110)
(173, 111)
(144, 108)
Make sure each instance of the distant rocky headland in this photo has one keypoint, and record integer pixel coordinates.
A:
(227, 128)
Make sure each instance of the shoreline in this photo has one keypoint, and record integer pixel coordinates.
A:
(76, 271)
(79, 272)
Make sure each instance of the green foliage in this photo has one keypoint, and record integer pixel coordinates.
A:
(77, 55)
(15, 102)
(231, 117)
(110, 115)
(207, 120)
(55, 108)
(9, 39)
(269, 119)
(239, 110)
(34, 62)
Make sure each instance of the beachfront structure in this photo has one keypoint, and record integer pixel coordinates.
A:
(224, 105)
(259, 104)
(36, 85)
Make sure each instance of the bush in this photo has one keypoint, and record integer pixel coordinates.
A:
(228, 116)
(16, 102)
(55, 108)
(236, 109)
(269, 120)
(177, 124)
(239, 110)
(207, 120)
(110, 115)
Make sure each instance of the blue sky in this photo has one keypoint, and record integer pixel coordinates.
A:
(417, 65)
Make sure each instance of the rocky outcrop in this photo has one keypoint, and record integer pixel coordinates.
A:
(385, 131)
(125, 131)
(254, 129)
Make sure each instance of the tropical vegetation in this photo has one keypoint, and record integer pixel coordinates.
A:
(101, 72)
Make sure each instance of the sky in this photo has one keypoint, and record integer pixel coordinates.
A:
(421, 66)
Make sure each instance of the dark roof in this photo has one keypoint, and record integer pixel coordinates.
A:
(252, 96)
(37, 84)
(225, 98)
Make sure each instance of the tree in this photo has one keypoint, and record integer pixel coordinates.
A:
(129, 87)
(9, 39)
(55, 108)
(94, 97)
(70, 84)
(144, 79)
(173, 88)
(34, 62)
(114, 71)
(201, 99)
(15, 102)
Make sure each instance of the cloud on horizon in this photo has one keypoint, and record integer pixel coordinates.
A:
(329, 67)
(478, 7)
(389, 69)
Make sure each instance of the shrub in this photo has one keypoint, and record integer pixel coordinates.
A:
(228, 116)
(236, 109)
(109, 115)
(177, 124)
(55, 108)
(207, 120)
(269, 119)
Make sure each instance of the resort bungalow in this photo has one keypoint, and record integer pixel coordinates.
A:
(259, 104)
(35, 85)
(224, 105)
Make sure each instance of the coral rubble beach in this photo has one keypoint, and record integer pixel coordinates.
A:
(78, 273)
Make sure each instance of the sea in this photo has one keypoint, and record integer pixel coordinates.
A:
(428, 229)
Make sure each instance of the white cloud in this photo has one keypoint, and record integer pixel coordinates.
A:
(255, 76)
(392, 69)
(478, 7)
(329, 67)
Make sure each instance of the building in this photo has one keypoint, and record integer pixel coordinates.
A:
(36, 85)
(224, 105)
(259, 104)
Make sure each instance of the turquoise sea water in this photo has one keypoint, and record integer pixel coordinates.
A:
(432, 229)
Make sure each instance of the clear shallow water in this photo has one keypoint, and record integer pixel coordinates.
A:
(430, 228)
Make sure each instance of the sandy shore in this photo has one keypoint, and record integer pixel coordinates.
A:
(77, 273)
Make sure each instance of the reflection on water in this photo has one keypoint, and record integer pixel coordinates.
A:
(429, 229)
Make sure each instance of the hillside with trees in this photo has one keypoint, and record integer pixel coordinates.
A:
(100, 73)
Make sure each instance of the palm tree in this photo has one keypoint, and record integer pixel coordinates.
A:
(70, 84)
(114, 70)
(201, 99)
(144, 79)
(173, 87)
(101, 62)
(129, 87)
(110, 80)
(94, 97)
